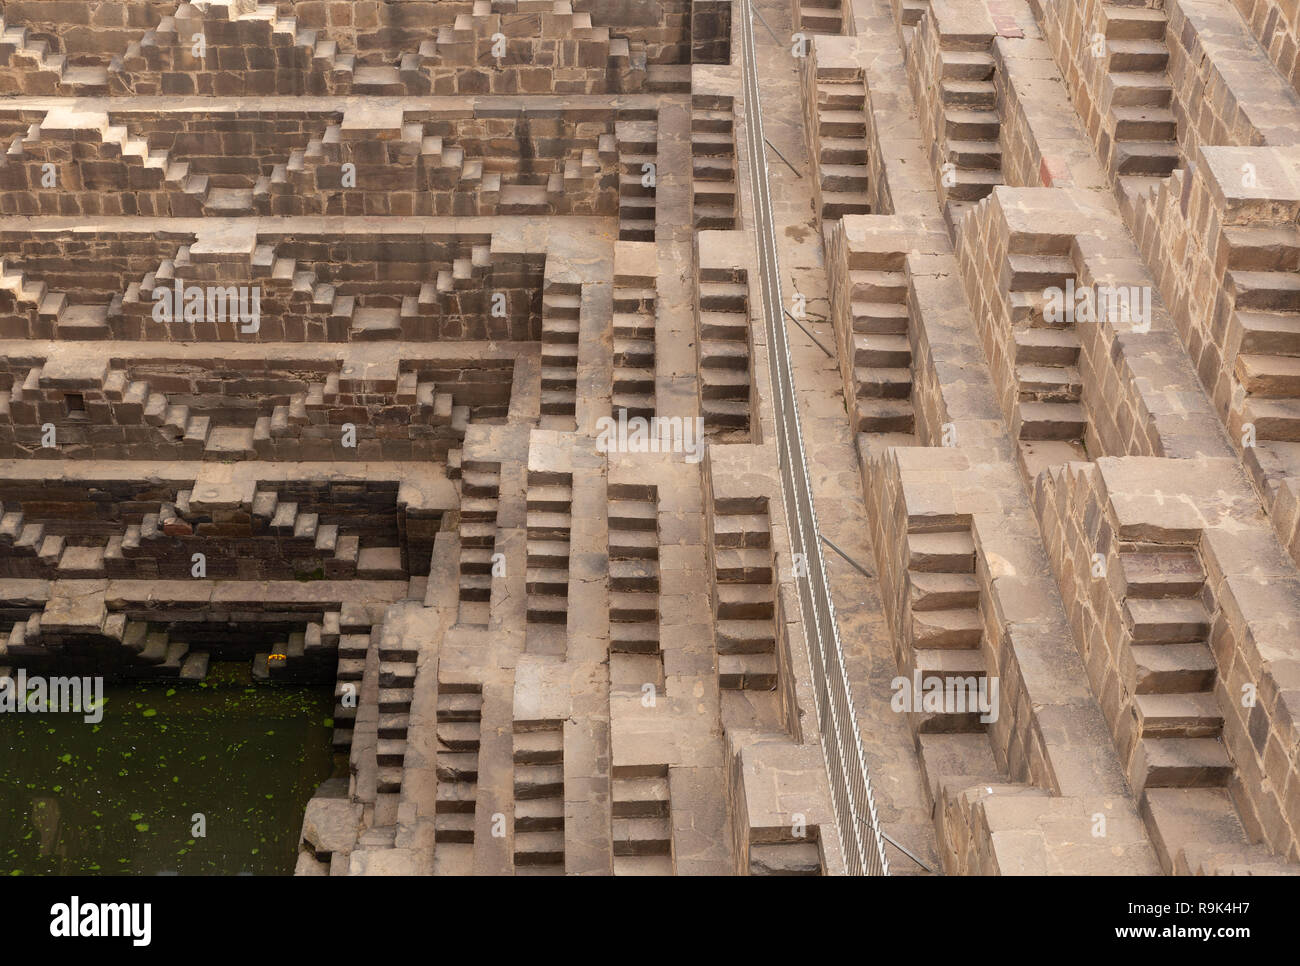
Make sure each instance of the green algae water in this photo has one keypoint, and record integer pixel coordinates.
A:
(119, 797)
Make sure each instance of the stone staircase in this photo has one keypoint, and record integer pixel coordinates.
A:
(459, 720)
(561, 316)
(1049, 411)
(40, 70)
(634, 346)
(354, 645)
(642, 820)
(350, 669)
(479, 491)
(971, 124)
(713, 162)
(1145, 147)
(293, 303)
(724, 354)
(635, 655)
(162, 538)
(36, 312)
(286, 60)
(745, 595)
(944, 621)
(539, 798)
(396, 688)
(93, 156)
(638, 148)
(345, 559)
(1263, 284)
(839, 141)
(221, 431)
(882, 350)
(434, 173)
(1171, 672)
(1180, 766)
(146, 650)
(549, 506)
(546, 34)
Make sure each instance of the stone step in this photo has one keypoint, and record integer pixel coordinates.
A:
(640, 797)
(539, 815)
(1168, 668)
(1046, 346)
(1152, 575)
(1036, 383)
(747, 672)
(824, 20)
(1269, 375)
(1138, 88)
(837, 204)
(964, 124)
(539, 848)
(538, 780)
(840, 97)
(967, 155)
(641, 836)
(885, 318)
(459, 706)
(1166, 620)
(843, 150)
(725, 413)
(1148, 158)
(950, 552)
(844, 177)
(634, 637)
(942, 591)
(745, 636)
(742, 530)
(1026, 273)
(635, 605)
(1266, 249)
(871, 284)
(1124, 22)
(841, 124)
(955, 628)
(1181, 763)
(458, 736)
(724, 297)
(882, 383)
(1264, 291)
(878, 415)
(628, 544)
(966, 65)
(744, 602)
(544, 525)
(1273, 419)
(1186, 715)
(453, 826)
(635, 575)
(1042, 420)
(977, 95)
(882, 351)
(1145, 124)
(457, 766)
(548, 553)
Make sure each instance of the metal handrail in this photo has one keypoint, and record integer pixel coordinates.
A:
(846, 764)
